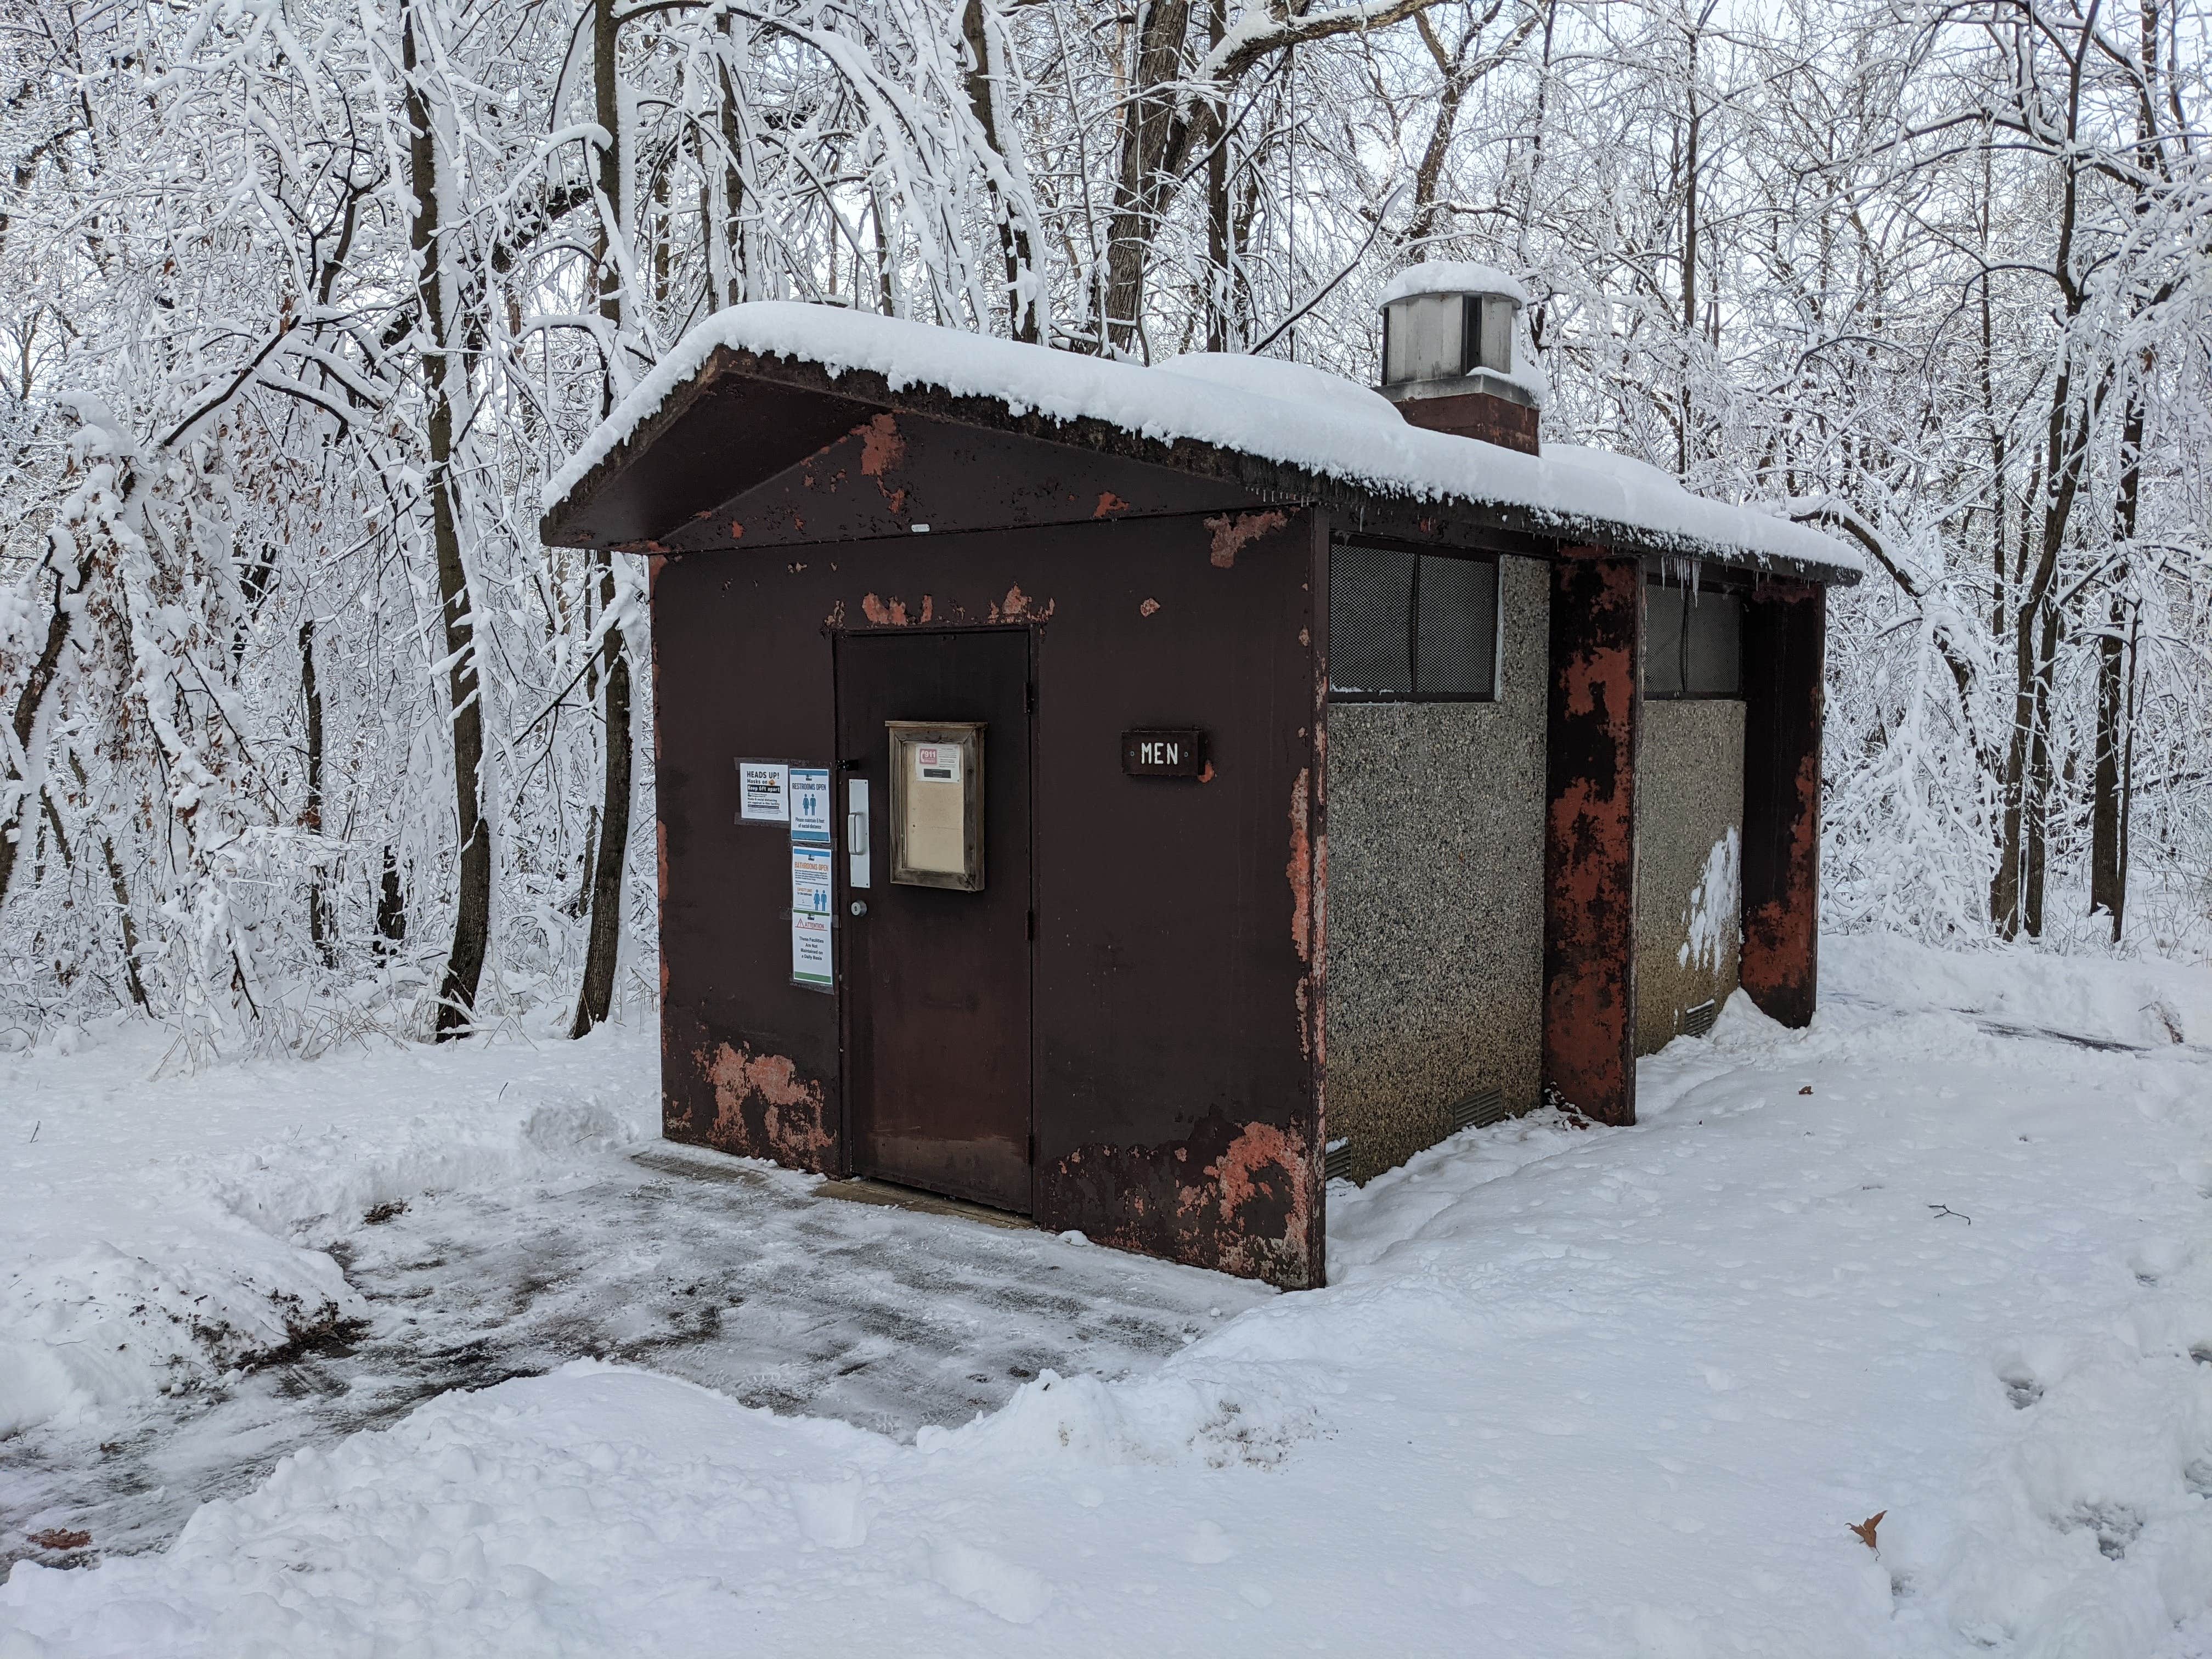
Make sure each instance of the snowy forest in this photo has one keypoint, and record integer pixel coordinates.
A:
(306, 733)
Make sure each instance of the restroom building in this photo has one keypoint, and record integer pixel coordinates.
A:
(1131, 797)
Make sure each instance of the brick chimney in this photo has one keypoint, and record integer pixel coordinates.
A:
(1449, 332)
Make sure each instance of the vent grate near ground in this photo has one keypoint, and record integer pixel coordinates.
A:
(1479, 1110)
(1698, 1021)
(1336, 1161)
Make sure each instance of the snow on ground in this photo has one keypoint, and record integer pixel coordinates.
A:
(1573, 1391)
(524, 1220)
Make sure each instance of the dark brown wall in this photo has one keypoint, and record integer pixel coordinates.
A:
(741, 667)
(1784, 650)
(1177, 989)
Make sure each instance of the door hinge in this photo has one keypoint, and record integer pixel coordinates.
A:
(1029, 696)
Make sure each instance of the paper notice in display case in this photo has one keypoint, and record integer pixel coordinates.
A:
(810, 952)
(810, 805)
(809, 880)
(764, 792)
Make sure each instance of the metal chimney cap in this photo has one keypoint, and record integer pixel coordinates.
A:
(1451, 276)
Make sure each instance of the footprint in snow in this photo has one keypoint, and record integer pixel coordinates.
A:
(2157, 1259)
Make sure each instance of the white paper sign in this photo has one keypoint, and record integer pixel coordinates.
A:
(810, 805)
(937, 762)
(809, 880)
(809, 951)
(765, 792)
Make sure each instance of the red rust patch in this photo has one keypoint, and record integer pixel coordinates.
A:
(883, 613)
(1109, 503)
(1235, 532)
(881, 447)
(1261, 1147)
(1149, 608)
(1019, 606)
(1238, 1197)
(1590, 851)
(764, 1108)
(1299, 870)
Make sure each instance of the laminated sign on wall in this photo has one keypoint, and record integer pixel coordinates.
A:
(810, 805)
(809, 880)
(809, 951)
(764, 792)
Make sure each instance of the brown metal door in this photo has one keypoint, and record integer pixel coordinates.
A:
(938, 980)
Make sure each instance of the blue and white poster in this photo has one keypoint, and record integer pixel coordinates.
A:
(810, 805)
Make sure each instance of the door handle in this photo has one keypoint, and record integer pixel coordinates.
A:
(858, 864)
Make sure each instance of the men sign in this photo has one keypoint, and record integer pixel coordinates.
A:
(1165, 752)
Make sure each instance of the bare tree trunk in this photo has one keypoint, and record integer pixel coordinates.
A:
(1153, 134)
(390, 905)
(1160, 129)
(29, 701)
(118, 888)
(604, 941)
(2107, 880)
(121, 890)
(310, 812)
(596, 996)
(731, 247)
(1220, 277)
(1023, 312)
(2036, 814)
(457, 993)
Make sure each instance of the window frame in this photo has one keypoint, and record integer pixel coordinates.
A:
(1710, 579)
(1391, 544)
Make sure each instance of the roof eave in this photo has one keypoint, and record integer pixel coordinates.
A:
(1467, 521)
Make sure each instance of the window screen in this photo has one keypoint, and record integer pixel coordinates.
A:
(1692, 642)
(1371, 617)
(1456, 628)
(1411, 626)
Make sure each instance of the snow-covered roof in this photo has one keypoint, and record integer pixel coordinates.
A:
(1450, 276)
(1287, 413)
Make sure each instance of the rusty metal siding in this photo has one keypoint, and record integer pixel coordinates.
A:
(1784, 647)
(1179, 935)
(749, 1061)
(890, 473)
(1178, 949)
(1589, 842)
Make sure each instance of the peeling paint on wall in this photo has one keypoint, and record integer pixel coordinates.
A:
(881, 447)
(1235, 532)
(1248, 1209)
(764, 1108)
(1019, 606)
